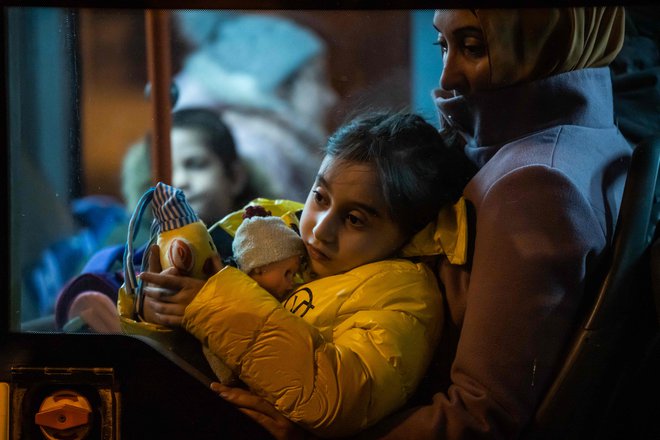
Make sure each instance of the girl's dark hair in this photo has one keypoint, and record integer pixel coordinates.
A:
(418, 172)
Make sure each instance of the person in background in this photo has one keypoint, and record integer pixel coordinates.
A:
(267, 76)
(204, 165)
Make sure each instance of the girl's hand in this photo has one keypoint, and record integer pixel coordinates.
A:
(261, 412)
(168, 293)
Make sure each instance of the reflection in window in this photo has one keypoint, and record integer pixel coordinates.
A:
(80, 119)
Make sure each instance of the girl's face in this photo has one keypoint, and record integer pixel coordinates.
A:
(345, 222)
(464, 52)
(201, 175)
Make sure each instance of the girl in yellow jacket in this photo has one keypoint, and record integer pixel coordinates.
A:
(348, 347)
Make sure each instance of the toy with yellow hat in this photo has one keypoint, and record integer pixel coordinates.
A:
(184, 243)
(183, 239)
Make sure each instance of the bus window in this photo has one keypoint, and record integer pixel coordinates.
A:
(81, 120)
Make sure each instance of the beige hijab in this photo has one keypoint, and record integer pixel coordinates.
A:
(528, 44)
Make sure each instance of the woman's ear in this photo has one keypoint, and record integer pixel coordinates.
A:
(239, 178)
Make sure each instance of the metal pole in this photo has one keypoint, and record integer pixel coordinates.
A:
(157, 24)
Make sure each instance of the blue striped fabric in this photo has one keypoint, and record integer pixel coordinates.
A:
(171, 208)
(171, 211)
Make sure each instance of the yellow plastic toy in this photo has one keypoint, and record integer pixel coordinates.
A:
(184, 240)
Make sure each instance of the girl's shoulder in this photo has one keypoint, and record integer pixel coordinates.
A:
(393, 284)
(383, 285)
(390, 269)
(382, 273)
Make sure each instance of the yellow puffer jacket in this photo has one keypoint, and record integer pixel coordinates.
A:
(341, 352)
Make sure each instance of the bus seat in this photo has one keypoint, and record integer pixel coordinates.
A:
(608, 348)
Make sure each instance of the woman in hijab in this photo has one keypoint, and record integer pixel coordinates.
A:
(530, 93)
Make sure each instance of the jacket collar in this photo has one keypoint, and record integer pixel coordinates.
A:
(447, 235)
(494, 117)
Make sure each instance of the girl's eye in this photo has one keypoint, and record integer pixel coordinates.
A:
(318, 197)
(354, 220)
(196, 163)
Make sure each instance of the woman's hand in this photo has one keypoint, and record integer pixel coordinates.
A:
(261, 412)
(168, 293)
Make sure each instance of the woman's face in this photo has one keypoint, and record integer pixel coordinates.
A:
(201, 175)
(464, 52)
(345, 221)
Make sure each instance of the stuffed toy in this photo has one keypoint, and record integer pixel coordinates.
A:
(184, 243)
(183, 239)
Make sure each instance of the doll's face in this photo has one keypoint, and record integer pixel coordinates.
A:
(277, 278)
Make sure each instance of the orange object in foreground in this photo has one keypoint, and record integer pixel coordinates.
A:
(64, 410)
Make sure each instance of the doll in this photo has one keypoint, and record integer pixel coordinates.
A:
(269, 251)
(183, 240)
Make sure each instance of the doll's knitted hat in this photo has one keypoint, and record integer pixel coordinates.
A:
(263, 240)
(170, 208)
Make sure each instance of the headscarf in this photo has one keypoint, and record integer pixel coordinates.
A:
(528, 44)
